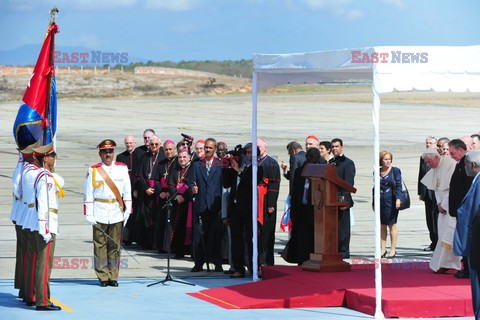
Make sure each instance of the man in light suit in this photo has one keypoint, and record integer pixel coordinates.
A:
(206, 186)
(346, 171)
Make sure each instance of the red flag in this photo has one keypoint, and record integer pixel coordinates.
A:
(37, 90)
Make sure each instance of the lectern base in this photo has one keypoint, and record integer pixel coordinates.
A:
(326, 266)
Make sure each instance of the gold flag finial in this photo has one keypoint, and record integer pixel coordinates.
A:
(53, 14)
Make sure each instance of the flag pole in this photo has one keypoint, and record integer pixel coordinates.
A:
(53, 16)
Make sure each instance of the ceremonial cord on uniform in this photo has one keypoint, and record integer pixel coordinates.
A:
(94, 180)
(60, 191)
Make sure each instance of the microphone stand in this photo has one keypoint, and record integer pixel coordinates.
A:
(168, 277)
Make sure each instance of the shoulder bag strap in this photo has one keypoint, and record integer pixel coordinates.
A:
(394, 182)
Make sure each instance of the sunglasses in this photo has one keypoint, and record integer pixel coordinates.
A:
(154, 144)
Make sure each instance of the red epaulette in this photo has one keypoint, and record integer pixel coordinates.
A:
(120, 163)
(96, 165)
(40, 175)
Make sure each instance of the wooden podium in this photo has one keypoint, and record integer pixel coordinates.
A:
(325, 184)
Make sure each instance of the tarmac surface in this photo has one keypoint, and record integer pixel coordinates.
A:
(82, 124)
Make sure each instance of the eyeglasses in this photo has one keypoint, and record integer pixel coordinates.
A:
(146, 138)
(154, 144)
(184, 143)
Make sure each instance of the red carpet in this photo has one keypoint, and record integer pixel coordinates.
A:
(409, 290)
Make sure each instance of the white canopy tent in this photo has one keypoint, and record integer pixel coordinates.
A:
(440, 69)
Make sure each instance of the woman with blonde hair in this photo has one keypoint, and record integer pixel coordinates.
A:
(390, 200)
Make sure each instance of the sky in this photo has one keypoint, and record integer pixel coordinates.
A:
(175, 30)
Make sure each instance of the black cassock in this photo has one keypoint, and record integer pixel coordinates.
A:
(148, 177)
(268, 188)
(161, 234)
(129, 159)
(181, 216)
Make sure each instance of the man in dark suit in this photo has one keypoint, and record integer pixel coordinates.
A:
(237, 178)
(346, 171)
(302, 240)
(428, 197)
(459, 185)
(467, 231)
(206, 186)
(297, 159)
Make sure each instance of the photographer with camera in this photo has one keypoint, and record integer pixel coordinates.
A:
(238, 179)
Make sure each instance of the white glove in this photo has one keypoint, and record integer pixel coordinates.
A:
(91, 220)
(47, 237)
(125, 219)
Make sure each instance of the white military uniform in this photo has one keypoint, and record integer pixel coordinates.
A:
(48, 189)
(28, 218)
(17, 190)
(104, 211)
(99, 201)
(16, 206)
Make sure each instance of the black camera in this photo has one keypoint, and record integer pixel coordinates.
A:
(236, 154)
(188, 139)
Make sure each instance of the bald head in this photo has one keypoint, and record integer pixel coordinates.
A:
(129, 143)
(262, 146)
(468, 142)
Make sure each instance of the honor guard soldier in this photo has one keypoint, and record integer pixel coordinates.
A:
(27, 218)
(18, 208)
(48, 189)
(107, 205)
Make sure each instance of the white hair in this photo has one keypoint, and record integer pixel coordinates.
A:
(473, 157)
(153, 137)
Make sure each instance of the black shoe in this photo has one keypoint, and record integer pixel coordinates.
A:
(462, 274)
(103, 283)
(197, 269)
(218, 268)
(384, 255)
(237, 275)
(30, 304)
(113, 283)
(51, 307)
(229, 272)
(429, 248)
(179, 256)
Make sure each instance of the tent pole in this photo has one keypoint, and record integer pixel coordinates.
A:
(376, 168)
(254, 179)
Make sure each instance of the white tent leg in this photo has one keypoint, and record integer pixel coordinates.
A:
(254, 179)
(376, 169)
